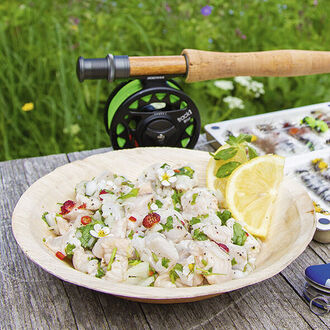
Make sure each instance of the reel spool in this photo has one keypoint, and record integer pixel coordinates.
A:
(151, 112)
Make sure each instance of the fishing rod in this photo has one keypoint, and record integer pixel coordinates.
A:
(152, 109)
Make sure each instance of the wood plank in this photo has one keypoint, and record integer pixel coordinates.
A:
(322, 250)
(295, 275)
(271, 304)
(36, 299)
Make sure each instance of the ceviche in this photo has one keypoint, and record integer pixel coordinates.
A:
(160, 230)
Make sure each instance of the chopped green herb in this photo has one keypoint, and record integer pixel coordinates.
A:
(194, 196)
(204, 262)
(224, 216)
(199, 235)
(100, 272)
(164, 165)
(226, 154)
(112, 258)
(176, 199)
(130, 235)
(69, 250)
(158, 203)
(252, 152)
(154, 256)
(186, 170)
(233, 262)
(239, 236)
(86, 239)
(168, 225)
(194, 220)
(173, 272)
(208, 272)
(137, 254)
(44, 239)
(134, 262)
(133, 193)
(165, 262)
(43, 217)
(227, 169)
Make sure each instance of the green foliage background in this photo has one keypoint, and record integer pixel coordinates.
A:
(40, 41)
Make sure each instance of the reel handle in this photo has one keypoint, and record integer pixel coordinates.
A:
(204, 65)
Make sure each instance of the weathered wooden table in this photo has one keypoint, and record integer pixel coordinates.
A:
(32, 298)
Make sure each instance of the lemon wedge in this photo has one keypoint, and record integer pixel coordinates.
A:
(251, 191)
(219, 184)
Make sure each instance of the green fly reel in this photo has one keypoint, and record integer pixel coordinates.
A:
(151, 112)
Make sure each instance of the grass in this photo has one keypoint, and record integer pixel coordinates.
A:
(41, 40)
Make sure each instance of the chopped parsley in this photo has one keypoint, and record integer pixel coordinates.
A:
(186, 170)
(165, 262)
(194, 220)
(100, 272)
(158, 203)
(224, 216)
(233, 262)
(176, 199)
(43, 217)
(199, 235)
(239, 236)
(194, 196)
(168, 225)
(130, 235)
(154, 256)
(86, 239)
(207, 272)
(204, 262)
(173, 272)
(69, 250)
(133, 193)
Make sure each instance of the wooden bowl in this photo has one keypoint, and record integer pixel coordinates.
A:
(292, 228)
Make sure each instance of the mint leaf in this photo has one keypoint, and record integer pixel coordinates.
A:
(165, 262)
(194, 196)
(224, 216)
(100, 272)
(43, 217)
(234, 141)
(186, 170)
(69, 250)
(239, 236)
(194, 220)
(199, 235)
(252, 153)
(226, 154)
(173, 274)
(226, 169)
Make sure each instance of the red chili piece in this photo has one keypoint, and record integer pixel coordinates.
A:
(67, 207)
(132, 219)
(223, 246)
(177, 171)
(293, 130)
(85, 220)
(102, 192)
(60, 255)
(150, 219)
(82, 206)
(247, 234)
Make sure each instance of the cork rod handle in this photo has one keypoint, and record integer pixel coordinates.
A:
(204, 65)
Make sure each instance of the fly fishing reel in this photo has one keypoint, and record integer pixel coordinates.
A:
(151, 111)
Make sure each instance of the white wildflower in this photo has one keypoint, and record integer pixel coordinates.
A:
(243, 80)
(226, 85)
(100, 231)
(234, 102)
(166, 176)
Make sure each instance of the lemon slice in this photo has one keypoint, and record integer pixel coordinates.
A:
(251, 192)
(219, 184)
